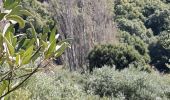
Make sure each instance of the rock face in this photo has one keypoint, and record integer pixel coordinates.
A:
(88, 22)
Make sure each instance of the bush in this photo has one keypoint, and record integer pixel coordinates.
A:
(137, 44)
(129, 83)
(42, 16)
(160, 52)
(54, 87)
(134, 27)
(119, 55)
(61, 85)
(103, 84)
(159, 21)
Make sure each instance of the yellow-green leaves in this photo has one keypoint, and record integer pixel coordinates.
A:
(20, 49)
(2, 15)
(3, 87)
(9, 47)
(51, 49)
(18, 10)
(53, 34)
(9, 41)
(61, 48)
(52, 44)
(34, 33)
(18, 60)
(18, 19)
(26, 58)
(55, 49)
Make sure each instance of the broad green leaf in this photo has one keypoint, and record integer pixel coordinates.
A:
(18, 19)
(5, 28)
(9, 37)
(20, 43)
(21, 52)
(18, 60)
(61, 48)
(14, 42)
(53, 34)
(36, 54)
(2, 16)
(3, 86)
(27, 55)
(51, 49)
(11, 30)
(34, 33)
(10, 47)
(31, 42)
(18, 10)
(44, 44)
(44, 37)
(27, 43)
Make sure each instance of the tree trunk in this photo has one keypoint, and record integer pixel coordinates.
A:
(88, 22)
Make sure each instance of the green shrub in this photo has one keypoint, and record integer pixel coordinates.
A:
(159, 21)
(119, 55)
(129, 83)
(20, 93)
(137, 44)
(134, 27)
(61, 85)
(103, 84)
(160, 52)
(42, 17)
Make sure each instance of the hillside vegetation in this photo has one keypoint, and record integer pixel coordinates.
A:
(84, 49)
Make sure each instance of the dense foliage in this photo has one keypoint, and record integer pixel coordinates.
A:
(147, 22)
(42, 17)
(19, 50)
(104, 84)
(119, 55)
(129, 84)
(126, 67)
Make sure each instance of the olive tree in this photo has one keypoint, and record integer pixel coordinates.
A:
(19, 50)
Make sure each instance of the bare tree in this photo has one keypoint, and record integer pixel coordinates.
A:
(88, 22)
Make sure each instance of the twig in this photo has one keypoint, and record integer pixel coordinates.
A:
(24, 80)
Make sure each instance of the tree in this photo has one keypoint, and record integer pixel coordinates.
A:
(159, 21)
(122, 56)
(136, 28)
(160, 52)
(18, 51)
(146, 19)
(136, 43)
(88, 22)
